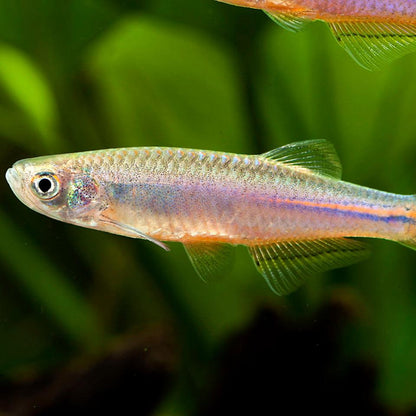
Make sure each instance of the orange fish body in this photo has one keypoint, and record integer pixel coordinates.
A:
(339, 10)
(371, 31)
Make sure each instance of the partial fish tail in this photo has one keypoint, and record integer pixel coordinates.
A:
(409, 239)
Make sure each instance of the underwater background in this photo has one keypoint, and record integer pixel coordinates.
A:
(96, 322)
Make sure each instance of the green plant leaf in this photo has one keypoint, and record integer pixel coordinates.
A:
(28, 89)
(44, 284)
(161, 84)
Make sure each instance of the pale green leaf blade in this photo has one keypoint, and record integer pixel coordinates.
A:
(29, 90)
(166, 84)
(43, 282)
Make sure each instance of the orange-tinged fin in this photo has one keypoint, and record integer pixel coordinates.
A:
(210, 260)
(286, 265)
(409, 243)
(318, 156)
(372, 44)
(288, 21)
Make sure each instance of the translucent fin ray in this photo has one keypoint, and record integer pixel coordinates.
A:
(409, 243)
(288, 21)
(316, 155)
(209, 260)
(372, 44)
(133, 232)
(286, 265)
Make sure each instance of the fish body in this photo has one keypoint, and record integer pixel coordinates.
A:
(286, 206)
(372, 31)
(338, 10)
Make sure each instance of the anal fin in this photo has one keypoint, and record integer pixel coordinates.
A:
(210, 260)
(286, 265)
(409, 243)
(371, 44)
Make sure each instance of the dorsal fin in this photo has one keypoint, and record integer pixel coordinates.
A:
(316, 155)
(288, 21)
(371, 44)
(209, 259)
(286, 265)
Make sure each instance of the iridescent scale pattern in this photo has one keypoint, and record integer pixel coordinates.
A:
(200, 196)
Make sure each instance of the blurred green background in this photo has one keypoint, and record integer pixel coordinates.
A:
(89, 74)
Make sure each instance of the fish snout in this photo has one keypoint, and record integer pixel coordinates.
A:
(15, 181)
(12, 176)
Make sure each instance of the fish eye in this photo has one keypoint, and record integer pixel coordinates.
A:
(45, 185)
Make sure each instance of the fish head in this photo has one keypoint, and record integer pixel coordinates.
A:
(57, 187)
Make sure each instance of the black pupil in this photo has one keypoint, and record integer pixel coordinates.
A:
(45, 185)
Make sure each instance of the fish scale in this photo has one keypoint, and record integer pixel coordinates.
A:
(220, 171)
(194, 208)
(288, 206)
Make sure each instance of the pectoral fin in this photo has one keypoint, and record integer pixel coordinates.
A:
(286, 265)
(210, 260)
(131, 231)
(371, 44)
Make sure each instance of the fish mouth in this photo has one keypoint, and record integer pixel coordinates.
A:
(14, 180)
(11, 177)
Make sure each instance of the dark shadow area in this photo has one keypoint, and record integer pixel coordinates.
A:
(132, 378)
(282, 366)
